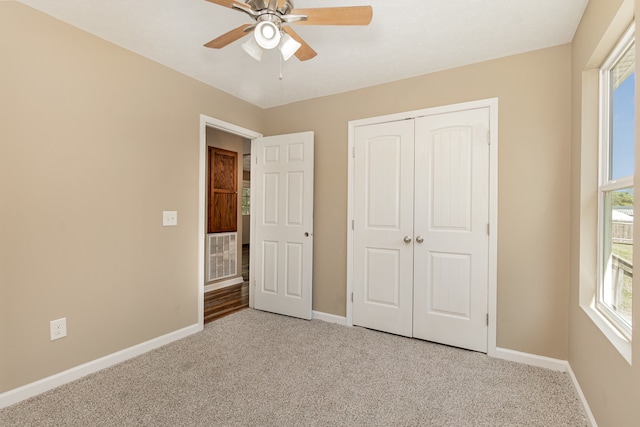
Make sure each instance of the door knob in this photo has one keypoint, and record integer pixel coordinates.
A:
(407, 239)
(419, 239)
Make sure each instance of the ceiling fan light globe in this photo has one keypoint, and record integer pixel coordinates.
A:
(288, 46)
(268, 32)
(267, 35)
(252, 48)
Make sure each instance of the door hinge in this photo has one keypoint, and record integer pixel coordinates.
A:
(353, 152)
(488, 229)
(353, 225)
(487, 319)
(351, 296)
(489, 137)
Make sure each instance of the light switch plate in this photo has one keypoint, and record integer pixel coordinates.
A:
(169, 218)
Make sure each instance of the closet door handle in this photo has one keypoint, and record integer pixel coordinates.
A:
(407, 239)
(419, 239)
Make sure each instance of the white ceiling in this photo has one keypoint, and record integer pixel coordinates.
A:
(406, 38)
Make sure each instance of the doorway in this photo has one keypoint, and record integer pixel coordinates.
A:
(422, 201)
(280, 264)
(209, 125)
(227, 256)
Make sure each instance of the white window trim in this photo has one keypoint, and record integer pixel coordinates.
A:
(597, 84)
(619, 341)
(588, 224)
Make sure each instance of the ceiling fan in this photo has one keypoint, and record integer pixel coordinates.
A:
(271, 28)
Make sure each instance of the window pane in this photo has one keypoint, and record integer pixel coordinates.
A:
(246, 200)
(622, 115)
(617, 250)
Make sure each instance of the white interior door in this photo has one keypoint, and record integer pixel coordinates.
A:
(383, 218)
(283, 209)
(451, 253)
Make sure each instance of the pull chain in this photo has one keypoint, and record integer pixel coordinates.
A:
(280, 57)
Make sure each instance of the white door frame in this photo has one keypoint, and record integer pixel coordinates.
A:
(492, 104)
(205, 122)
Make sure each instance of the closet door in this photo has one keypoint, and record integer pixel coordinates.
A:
(383, 224)
(451, 253)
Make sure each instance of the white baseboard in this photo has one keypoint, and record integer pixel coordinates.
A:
(331, 318)
(223, 284)
(583, 400)
(532, 359)
(29, 390)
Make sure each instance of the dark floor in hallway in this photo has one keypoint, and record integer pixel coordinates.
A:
(222, 302)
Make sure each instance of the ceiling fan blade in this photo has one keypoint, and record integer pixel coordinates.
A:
(228, 38)
(350, 15)
(229, 3)
(304, 52)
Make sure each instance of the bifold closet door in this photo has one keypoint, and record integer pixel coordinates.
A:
(421, 215)
(451, 253)
(383, 224)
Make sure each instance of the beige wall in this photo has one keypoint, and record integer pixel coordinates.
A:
(227, 141)
(610, 384)
(534, 93)
(95, 142)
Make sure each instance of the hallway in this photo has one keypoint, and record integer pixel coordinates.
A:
(222, 302)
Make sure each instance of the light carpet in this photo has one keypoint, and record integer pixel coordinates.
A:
(259, 369)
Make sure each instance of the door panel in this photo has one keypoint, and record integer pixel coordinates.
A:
(269, 267)
(294, 262)
(451, 217)
(295, 198)
(382, 277)
(283, 170)
(269, 206)
(450, 174)
(383, 216)
(450, 283)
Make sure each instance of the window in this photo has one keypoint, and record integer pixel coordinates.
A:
(246, 197)
(615, 189)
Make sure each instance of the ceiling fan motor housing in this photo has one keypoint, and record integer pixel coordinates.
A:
(259, 5)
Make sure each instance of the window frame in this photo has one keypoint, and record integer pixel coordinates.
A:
(605, 184)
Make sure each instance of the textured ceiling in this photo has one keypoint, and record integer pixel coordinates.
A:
(406, 38)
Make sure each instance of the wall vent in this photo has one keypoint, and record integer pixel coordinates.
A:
(222, 250)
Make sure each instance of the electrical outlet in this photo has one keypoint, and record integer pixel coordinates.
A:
(58, 328)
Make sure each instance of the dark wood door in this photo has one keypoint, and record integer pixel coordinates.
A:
(223, 191)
